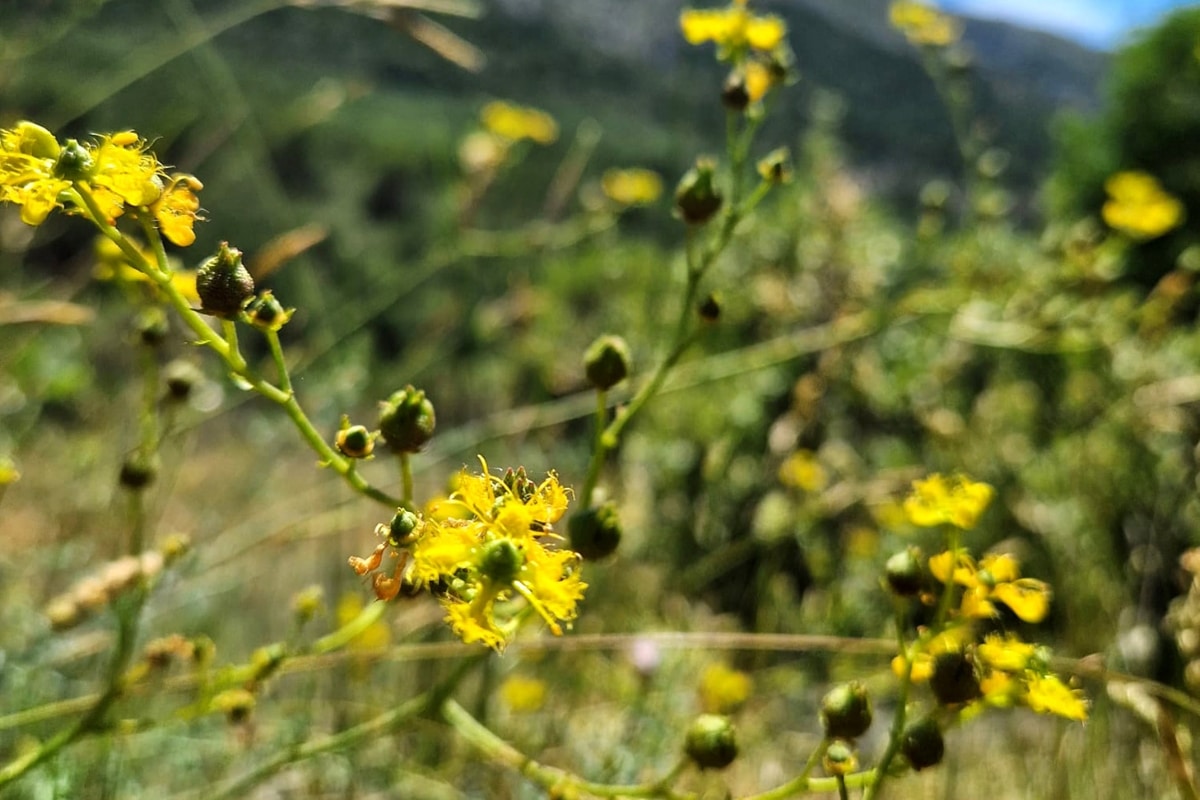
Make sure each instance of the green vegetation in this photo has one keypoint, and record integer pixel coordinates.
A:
(746, 383)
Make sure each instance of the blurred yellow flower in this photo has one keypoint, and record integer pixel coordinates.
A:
(923, 24)
(632, 187)
(732, 29)
(723, 689)
(956, 500)
(997, 577)
(1139, 207)
(514, 122)
(523, 695)
(1005, 652)
(8, 471)
(375, 636)
(1047, 694)
(759, 78)
(802, 470)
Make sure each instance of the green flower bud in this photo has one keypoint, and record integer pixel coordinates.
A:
(223, 282)
(181, 377)
(501, 561)
(775, 166)
(355, 441)
(606, 362)
(839, 758)
(138, 472)
(407, 420)
(846, 711)
(151, 326)
(307, 602)
(733, 93)
(266, 313)
(922, 744)
(954, 679)
(711, 742)
(696, 198)
(236, 704)
(403, 523)
(595, 533)
(904, 573)
(74, 162)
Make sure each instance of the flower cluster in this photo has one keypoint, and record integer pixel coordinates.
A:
(923, 25)
(485, 545)
(104, 179)
(963, 668)
(1139, 207)
(755, 45)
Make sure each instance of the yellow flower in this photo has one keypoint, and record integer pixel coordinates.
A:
(723, 689)
(759, 78)
(474, 623)
(28, 153)
(484, 545)
(514, 123)
(124, 174)
(1047, 694)
(1139, 207)
(956, 500)
(1006, 653)
(631, 187)
(522, 694)
(922, 24)
(999, 689)
(178, 209)
(732, 29)
(442, 549)
(997, 577)
(802, 470)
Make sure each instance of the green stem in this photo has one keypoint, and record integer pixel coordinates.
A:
(550, 778)
(896, 733)
(598, 451)
(406, 480)
(345, 634)
(227, 350)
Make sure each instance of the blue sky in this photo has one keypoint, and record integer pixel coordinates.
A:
(1096, 23)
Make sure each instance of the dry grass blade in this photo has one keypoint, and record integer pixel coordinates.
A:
(54, 312)
(285, 247)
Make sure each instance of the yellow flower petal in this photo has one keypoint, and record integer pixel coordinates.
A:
(765, 33)
(1047, 694)
(1028, 598)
